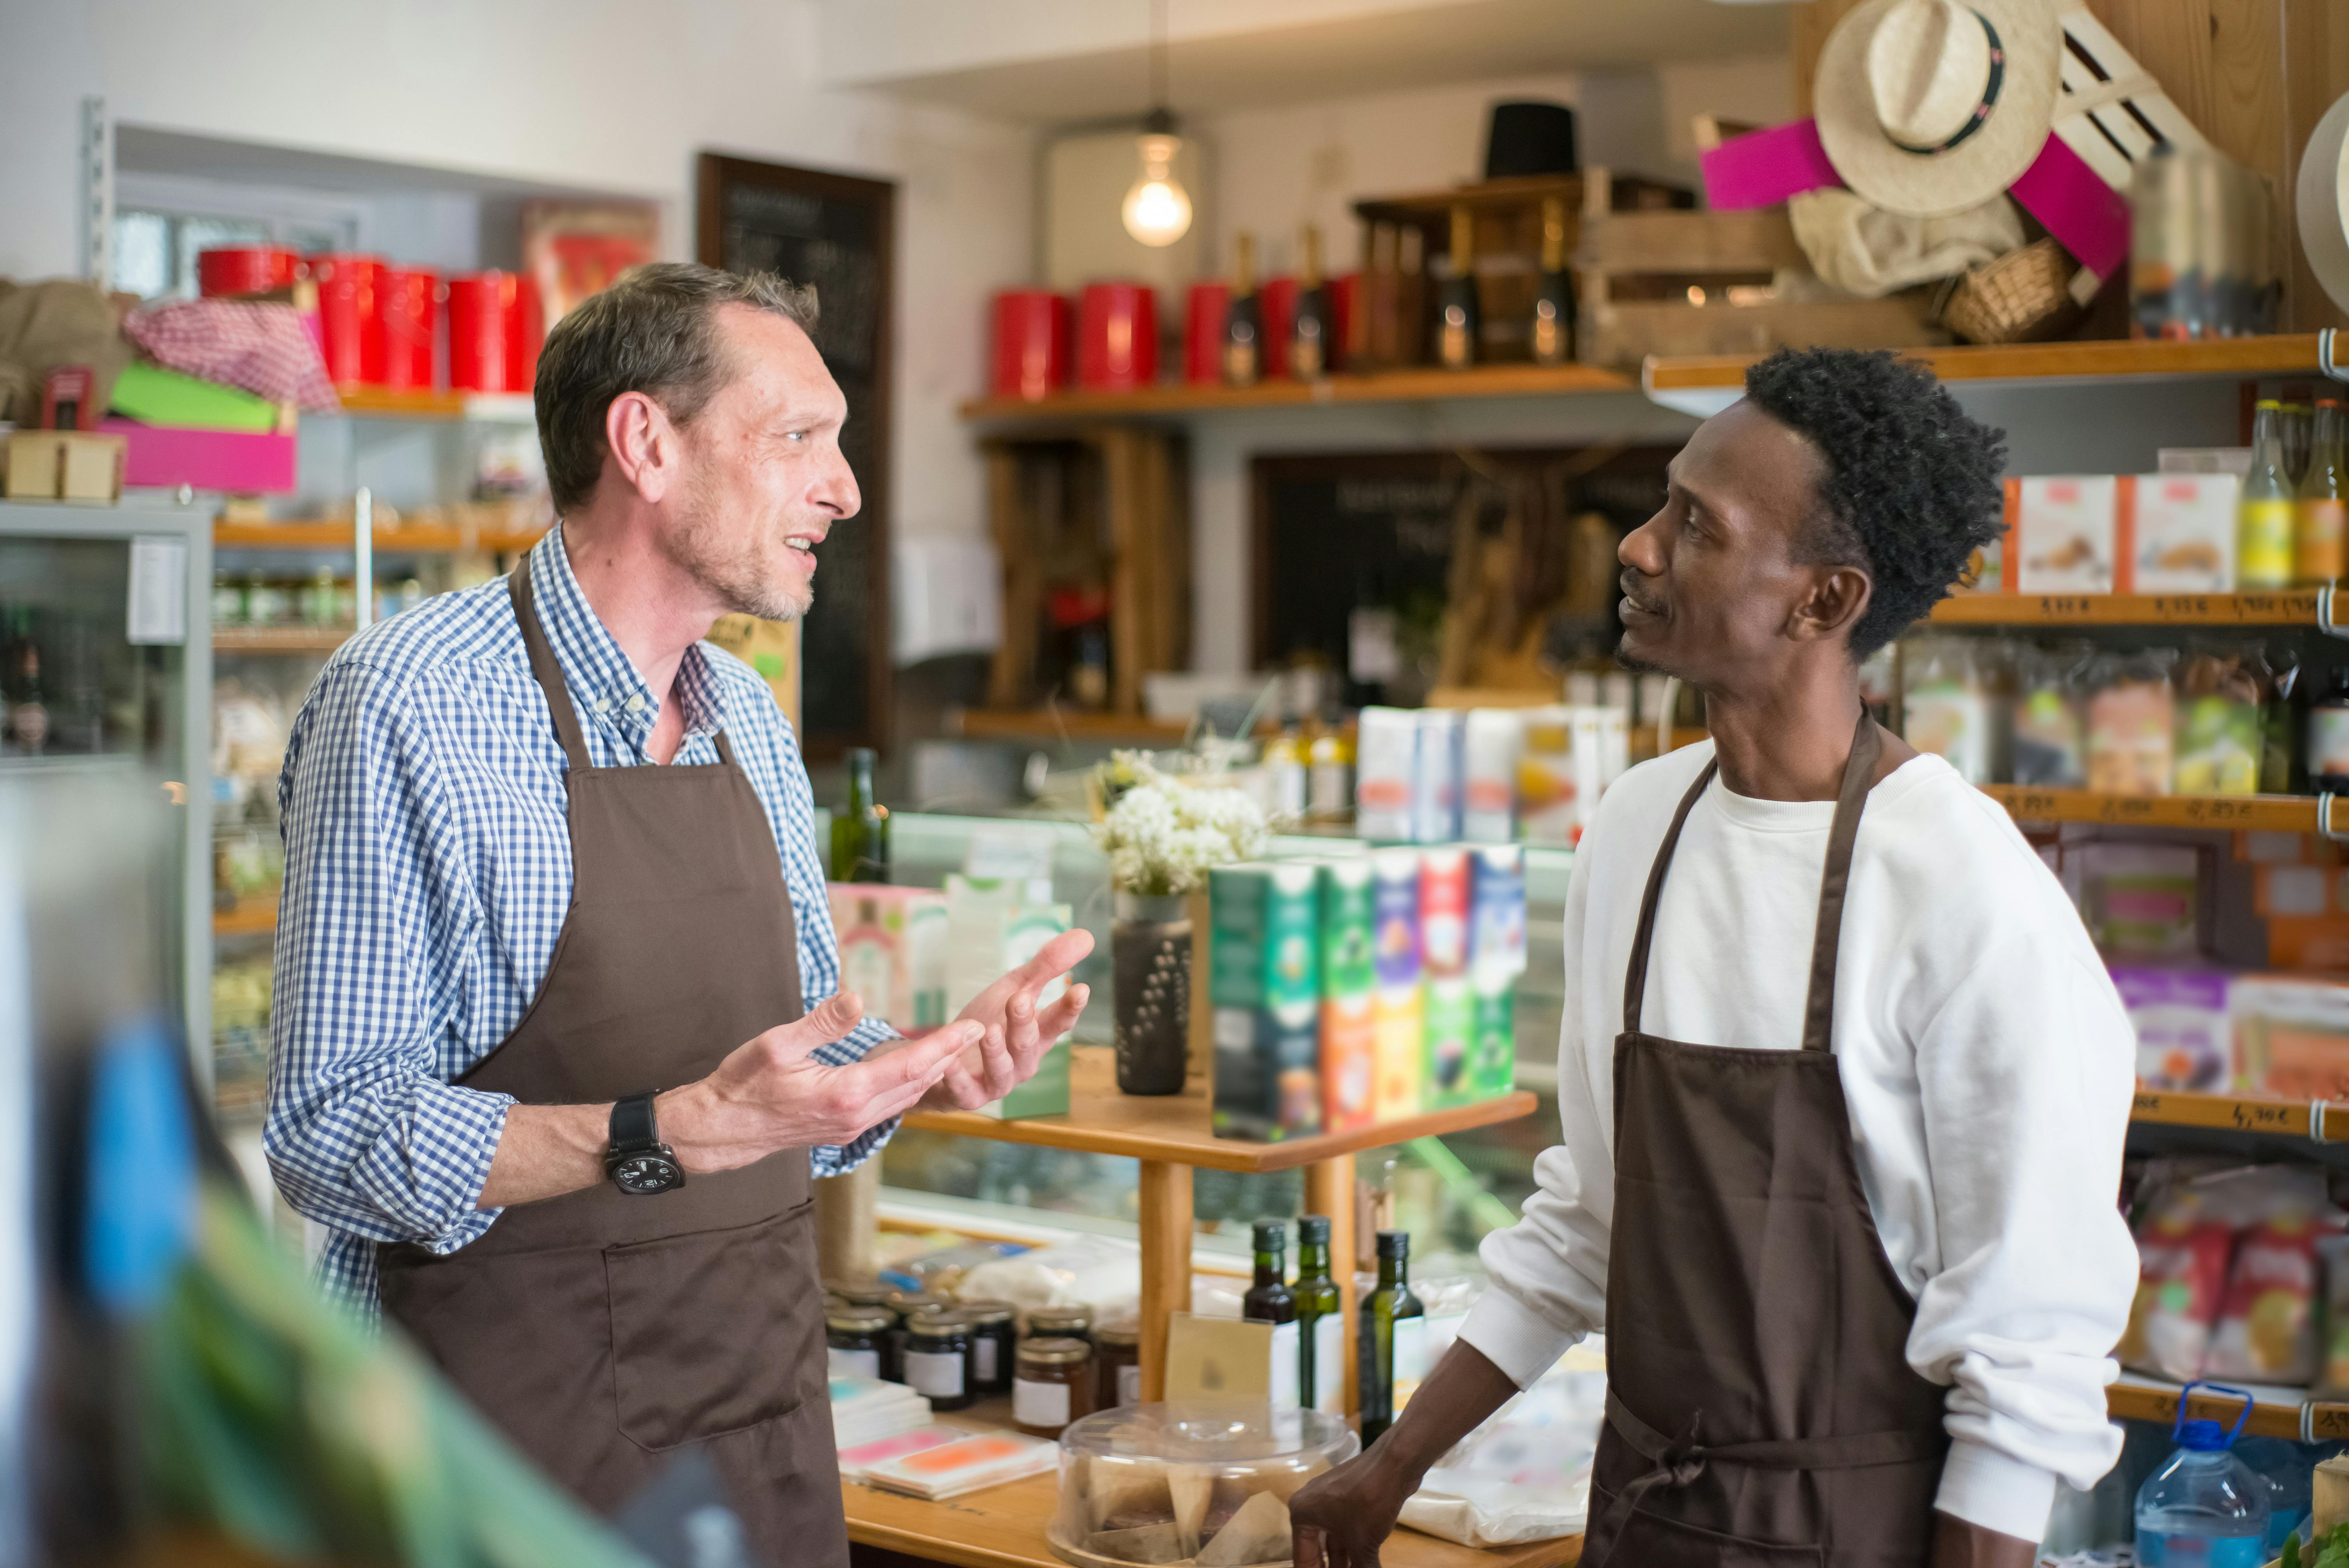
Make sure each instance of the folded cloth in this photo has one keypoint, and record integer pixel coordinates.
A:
(1866, 251)
(262, 348)
(46, 325)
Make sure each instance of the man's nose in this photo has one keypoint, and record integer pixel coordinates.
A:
(1640, 550)
(836, 489)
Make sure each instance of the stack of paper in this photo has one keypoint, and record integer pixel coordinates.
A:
(866, 1409)
(854, 1461)
(982, 1458)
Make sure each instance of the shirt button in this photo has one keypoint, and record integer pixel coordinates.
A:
(636, 704)
(603, 705)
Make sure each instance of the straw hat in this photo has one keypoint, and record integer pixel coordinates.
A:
(1933, 107)
(2322, 201)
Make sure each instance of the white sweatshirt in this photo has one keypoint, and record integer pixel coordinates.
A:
(1985, 1057)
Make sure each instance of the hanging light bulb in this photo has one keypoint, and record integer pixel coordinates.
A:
(1157, 209)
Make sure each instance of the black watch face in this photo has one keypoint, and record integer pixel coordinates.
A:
(646, 1173)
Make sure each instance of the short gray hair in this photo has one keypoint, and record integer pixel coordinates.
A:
(650, 331)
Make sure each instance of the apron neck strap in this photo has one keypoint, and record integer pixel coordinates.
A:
(1819, 1005)
(543, 666)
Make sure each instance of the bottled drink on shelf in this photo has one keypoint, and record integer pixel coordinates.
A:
(1330, 776)
(1285, 761)
(1392, 1339)
(2322, 546)
(1312, 331)
(2203, 1505)
(2299, 424)
(2266, 520)
(1320, 1321)
(1268, 1300)
(2328, 735)
(1553, 335)
(860, 834)
(1243, 318)
(29, 708)
(1456, 300)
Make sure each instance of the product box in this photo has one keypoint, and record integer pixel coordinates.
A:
(1493, 1043)
(1448, 1020)
(2306, 891)
(2142, 900)
(1349, 979)
(1549, 806)
(974, 932)
(1603, 751)
(1386, 753)
(1436, 776)
(2064, 535)
(1494, 738)
(1395, 1001)
(1496, 914)
(893, 951)
(2292, 1037)
(2183, 530)
(1022, 931)
(2183, 1035)
(1265, 936)
(1444, 913)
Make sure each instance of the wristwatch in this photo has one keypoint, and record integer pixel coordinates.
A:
(638, 1162)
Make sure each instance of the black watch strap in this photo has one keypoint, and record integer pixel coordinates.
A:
(633, 1127)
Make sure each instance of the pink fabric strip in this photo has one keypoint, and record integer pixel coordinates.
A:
(2088, 217)
(1763, 167)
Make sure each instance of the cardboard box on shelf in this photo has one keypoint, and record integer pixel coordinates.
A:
(2065, 536)
(893, 951)
(64, 465)
(2183, 1035)
(1348, 978)
(1264, 955)
(2183, 526)
(2290, 1035)
(1395, 999)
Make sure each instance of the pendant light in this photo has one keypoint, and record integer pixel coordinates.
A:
(1157, 209)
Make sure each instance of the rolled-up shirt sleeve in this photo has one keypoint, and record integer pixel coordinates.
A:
(364, 1133)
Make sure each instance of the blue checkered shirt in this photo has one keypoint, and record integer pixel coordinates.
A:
(428, 870)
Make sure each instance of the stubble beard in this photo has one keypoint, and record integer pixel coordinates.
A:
(739, 571)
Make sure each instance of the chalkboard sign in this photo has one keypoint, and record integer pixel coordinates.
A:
(838, 232)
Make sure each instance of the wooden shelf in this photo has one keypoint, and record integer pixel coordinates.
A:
(2238, 1113)
(2275, 1412)
(279, 639)
(2288, 355)
(2252, 814)
(1174, 1128)
(253, 919)
(1003, 1526)
(1072, 724)
(1413, 386)
(436, 404)
(430, 539)
(2293, 608)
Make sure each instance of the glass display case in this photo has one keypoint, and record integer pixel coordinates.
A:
(106, 672)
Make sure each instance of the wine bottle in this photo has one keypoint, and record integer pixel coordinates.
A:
(1392, 1339)
(1268, 1300)
(1243, 318)
(28, 708)
(1455, 299)
(1312, 333)
(2265, 512)
(1320, 1321)
(860, 833)
(1553, 290)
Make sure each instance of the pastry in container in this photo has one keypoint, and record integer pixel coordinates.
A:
(1206, 1484)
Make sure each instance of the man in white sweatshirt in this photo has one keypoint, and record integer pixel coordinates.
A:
(1842, 1085)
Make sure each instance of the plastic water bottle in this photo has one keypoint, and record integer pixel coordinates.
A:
(2204, 1508)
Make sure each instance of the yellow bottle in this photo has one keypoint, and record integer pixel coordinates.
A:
(2266, 521)
(2322, 547)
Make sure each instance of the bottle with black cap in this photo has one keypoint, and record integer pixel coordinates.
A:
(1268, 1300)
(1392, 1338)
(1553, 333)
(1320, 1321)
(1457, 317)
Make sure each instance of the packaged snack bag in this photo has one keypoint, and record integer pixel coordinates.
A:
(2131, 731)
(2332, 1263)
(2182, 1256)
(2266, 1325)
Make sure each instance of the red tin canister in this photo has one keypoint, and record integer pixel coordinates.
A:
(1203, 333)
(350, 316)
(1117, 336)
(1032, 342)
(246, 269)
(1279, 305)
(411, 309)
(525, 334)
(481, 338)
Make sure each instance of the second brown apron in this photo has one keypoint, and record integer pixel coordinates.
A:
(1761, 1409)
(605, 1333)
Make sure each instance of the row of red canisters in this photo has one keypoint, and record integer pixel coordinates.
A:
(1116, 332)
(378, 321)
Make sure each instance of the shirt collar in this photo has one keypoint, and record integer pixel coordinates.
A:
(595, 667)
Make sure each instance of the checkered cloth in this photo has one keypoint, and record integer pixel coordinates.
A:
(265, 348)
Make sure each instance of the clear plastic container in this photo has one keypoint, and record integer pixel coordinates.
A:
(1184, 1483)
(2203, 1507)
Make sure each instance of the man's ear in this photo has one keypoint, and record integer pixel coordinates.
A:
(1838, 598)
(643, 443)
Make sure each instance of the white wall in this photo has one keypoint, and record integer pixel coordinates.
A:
(595, 94)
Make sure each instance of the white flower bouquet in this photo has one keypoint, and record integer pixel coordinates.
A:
(1163, 833)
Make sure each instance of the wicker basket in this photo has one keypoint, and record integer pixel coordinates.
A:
(2022, 297)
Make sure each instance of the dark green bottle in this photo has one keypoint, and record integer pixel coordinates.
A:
(1320, 1321)
(1393, 1338)
(1268, 1301)
(860, 833)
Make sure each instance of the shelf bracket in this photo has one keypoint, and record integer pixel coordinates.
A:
(2308, 1420)
(2317, 1121)
(2332, 369)
(2325, 621)
(2324, 818)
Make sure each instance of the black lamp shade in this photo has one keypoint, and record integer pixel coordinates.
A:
(1529, 138)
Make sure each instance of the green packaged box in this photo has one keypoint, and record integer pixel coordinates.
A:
(1349, 979)
(1492, 1044)
(1020, 931)
(1264, 937)
(1446, 1026)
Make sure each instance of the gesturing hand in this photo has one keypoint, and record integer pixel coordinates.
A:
(1342, 1517)
(769, 1094)
(1015, 1031)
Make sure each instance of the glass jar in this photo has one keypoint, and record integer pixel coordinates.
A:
(1117, 1365)
(1055, 1386)
(937, 1360)
(993, 1339)
(1060, 1322)
(856, 1340)
(905, 1304)
(864, 1292)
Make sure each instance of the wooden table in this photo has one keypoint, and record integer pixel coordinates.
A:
(1170, 1136)
(1003, 1526)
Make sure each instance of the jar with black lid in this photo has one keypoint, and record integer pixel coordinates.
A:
(857, 1341)
(1117, 1365)
(993, 1338)
(937, 1360)
(1060, 1322)
(1055, 1386)
(864, 1292)
(904, 1304)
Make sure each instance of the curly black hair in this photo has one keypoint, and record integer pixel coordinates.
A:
(1913, 487)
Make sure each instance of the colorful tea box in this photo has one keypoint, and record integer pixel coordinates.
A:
(2064, 535)
(893, 951)
(1386, 749)
(1021, 931)
(1444, 913)
(1496, 914)
(1448, 1021)
(1436, 776)
(2180, 1017)
(1493, 738)
(1492, 1044)
(1349, 979)
(975, 931)
(1263, 985)
(1395, 998)
(2182, 531)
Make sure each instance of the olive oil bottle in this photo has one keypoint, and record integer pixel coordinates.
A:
(1270, 1300)
(1393, 1339)
(1320, 1321)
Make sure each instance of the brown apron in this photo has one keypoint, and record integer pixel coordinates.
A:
(1761, 1411)
(605, 1333)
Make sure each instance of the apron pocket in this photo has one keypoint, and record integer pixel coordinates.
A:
(714, 1331)
(1654, 1541)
